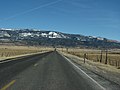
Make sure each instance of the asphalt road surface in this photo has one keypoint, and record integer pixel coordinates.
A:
(49, 71)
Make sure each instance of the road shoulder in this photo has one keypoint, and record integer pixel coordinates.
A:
(109, 80)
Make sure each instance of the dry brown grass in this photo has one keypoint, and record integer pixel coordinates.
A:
(95, 55)
(8, 51)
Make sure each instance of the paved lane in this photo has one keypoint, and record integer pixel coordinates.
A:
(51, 72)
(10, 69)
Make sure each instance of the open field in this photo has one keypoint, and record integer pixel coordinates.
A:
(11, 51)
(112, 57)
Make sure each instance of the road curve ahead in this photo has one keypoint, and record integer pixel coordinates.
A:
(50, 71)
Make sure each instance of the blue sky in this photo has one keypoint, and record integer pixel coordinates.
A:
(86, 17)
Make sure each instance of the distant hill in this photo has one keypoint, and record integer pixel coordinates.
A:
(53, 38)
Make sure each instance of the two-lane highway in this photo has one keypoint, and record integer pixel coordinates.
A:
(49, 71)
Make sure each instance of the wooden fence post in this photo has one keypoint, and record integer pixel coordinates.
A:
(109, 61)
(101, 56)
(106, 59)
(84, 57)
(62, 49)
(67, 50)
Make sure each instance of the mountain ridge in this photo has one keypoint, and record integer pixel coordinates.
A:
(54, 38)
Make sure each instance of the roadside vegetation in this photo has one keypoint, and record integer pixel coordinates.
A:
(109, 57)
(10, 51)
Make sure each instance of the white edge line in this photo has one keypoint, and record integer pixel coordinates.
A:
(6, 61)
(84, 73)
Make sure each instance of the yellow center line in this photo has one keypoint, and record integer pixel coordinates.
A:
(8, 85)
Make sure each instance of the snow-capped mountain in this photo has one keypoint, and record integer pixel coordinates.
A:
(30, 33)
(41, 37)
